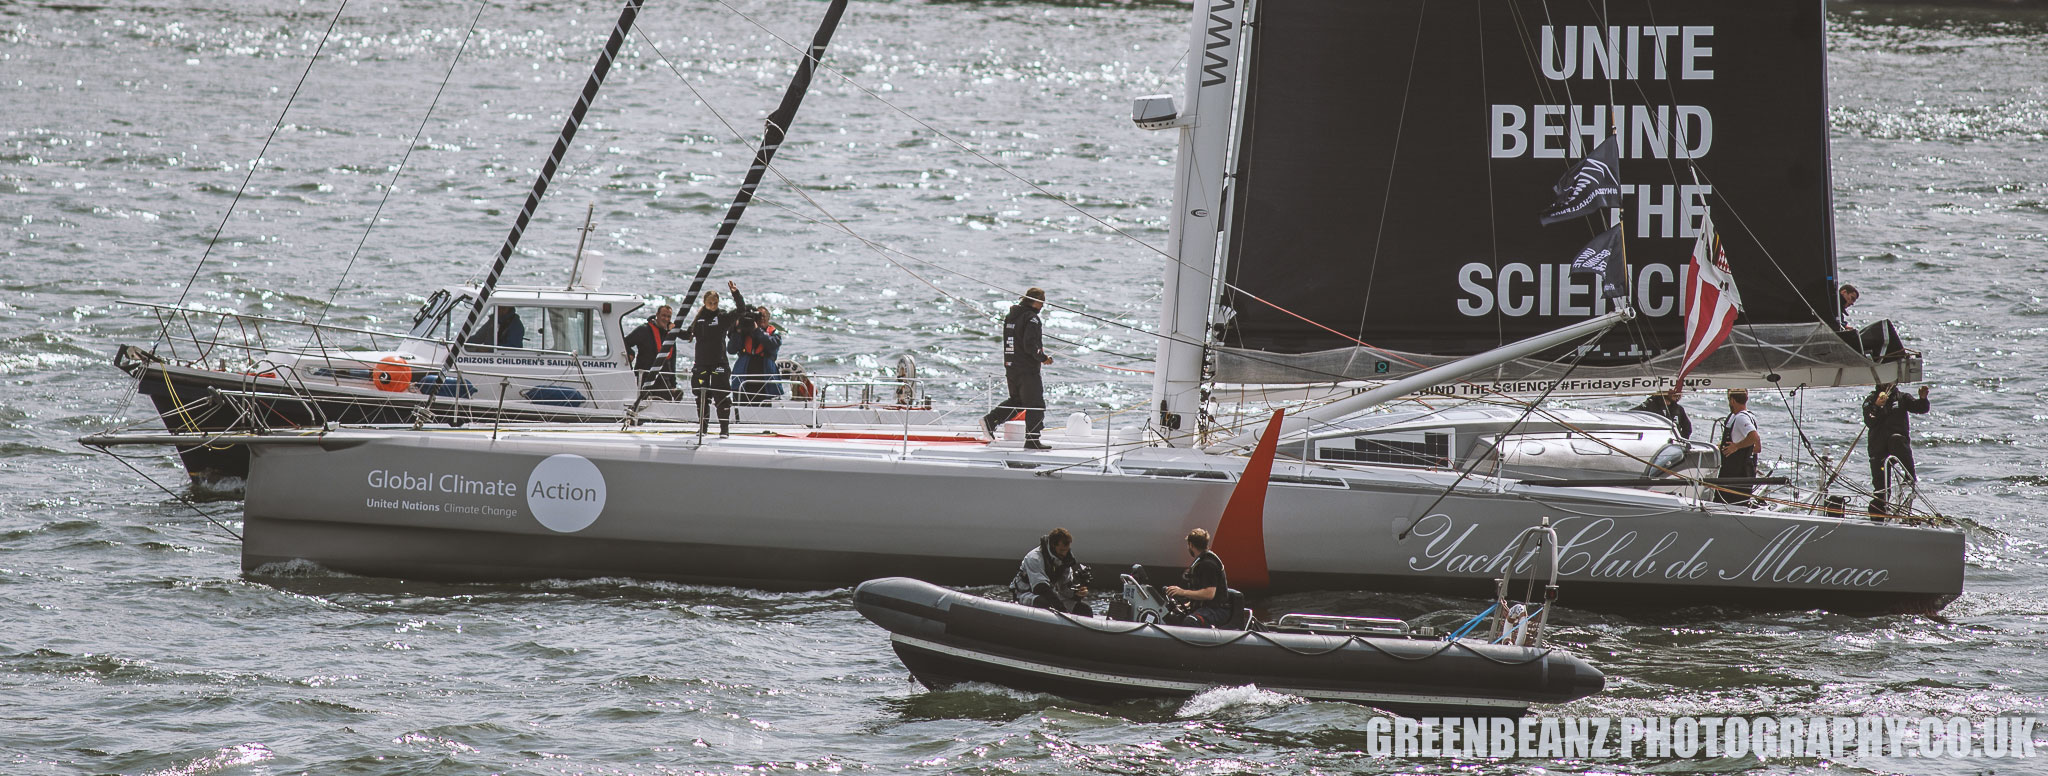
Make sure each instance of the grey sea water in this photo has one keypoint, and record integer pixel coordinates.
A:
(130, 642)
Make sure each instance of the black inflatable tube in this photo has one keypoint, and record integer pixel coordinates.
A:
(946, 637)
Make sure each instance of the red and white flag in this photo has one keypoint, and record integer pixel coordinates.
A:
(1711, 300)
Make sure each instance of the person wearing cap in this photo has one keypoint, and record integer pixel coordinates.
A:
(1023, 354)
(1665, 405)
(1885, 415)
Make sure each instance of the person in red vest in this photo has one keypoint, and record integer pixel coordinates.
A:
(756, 341)
(653, 349)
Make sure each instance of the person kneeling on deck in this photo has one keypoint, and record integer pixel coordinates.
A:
(1205, 589)
(1050, 578)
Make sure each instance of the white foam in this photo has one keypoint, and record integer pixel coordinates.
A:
(1212, 701)
(984, 688)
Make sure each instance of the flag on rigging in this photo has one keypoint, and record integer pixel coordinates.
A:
(1711, 300)
(1603, 257)
(1594, 182)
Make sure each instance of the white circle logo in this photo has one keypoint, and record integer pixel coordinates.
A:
(565, 493)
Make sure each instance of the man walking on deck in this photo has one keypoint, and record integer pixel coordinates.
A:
(1023, 354)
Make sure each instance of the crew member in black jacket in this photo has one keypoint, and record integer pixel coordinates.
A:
(653, 350)
(1666, 405)
(1204, 586)
(711, 375)
(1884, 414)
(1023, 352)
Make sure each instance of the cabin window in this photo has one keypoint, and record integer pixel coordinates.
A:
(1429, 448)
(554, 329)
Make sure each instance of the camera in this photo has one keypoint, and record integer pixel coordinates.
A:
(1080, 576)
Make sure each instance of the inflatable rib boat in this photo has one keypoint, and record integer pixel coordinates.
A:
(946, 637)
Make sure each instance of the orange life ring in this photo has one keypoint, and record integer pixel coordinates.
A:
(391, 374)
(803, 390)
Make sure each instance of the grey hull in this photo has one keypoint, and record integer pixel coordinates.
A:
(792, 514)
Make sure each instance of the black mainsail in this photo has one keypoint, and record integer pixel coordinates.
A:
(1392, 188)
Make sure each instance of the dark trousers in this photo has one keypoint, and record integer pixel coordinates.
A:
(1209, 615)
(1881, 448)
(1879, 340)
(1741, 463)
(1027, 393)
(713, 386)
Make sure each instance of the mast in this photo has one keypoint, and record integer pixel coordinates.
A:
(772, 134)
(540, 184)
(1214, 34)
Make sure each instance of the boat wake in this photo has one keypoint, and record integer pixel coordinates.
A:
(229, 488)
(1210, 703)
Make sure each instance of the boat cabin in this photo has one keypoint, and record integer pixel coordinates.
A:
(546, 345)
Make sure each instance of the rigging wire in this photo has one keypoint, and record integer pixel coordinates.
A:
(882, 250)
(1041, 189)
(167, 491)
(275, 127)
(410, 144)
(823, 67)
(1474, 464)
(1387, 194)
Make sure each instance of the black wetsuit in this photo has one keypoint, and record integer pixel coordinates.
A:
(1207, 571)
(1890, 430)
(711, 374)
(1023, 353)
(1656, 405)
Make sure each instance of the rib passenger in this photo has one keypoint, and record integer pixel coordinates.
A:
(1204, 586)
(1049, 576)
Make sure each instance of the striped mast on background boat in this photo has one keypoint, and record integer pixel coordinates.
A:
(775, 129)
(540, 184)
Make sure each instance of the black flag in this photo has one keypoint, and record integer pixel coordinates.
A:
(1603, 257)
(1594, 182)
